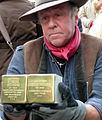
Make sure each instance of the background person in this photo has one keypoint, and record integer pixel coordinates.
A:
(96, 29)
(87, 15)
(19, 31)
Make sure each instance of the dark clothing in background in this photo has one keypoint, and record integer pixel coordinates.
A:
(19, 31)
(80, 25)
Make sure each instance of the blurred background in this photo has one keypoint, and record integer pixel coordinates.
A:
(31, 0)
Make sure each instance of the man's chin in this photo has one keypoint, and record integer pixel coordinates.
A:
(57, 44)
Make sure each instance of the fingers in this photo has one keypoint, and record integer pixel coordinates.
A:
(60, 106)
(36, 105)
(20, 107)
(67, 97)
(8, 108)
(64, 90)
(11, 108)
(28, 107)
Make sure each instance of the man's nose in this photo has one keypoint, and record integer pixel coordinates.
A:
(52, 23)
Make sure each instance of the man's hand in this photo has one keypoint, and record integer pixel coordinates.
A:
(68, 109)
(14, 110)
(67, 99)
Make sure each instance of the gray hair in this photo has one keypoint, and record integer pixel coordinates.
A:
(74, 8)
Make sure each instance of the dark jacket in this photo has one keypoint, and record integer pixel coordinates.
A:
(35, 58)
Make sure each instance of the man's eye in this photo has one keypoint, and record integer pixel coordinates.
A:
(43, 19)
(58, 15)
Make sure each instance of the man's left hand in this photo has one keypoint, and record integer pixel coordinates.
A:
(68, 109)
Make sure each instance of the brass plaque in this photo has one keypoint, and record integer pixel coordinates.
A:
(41, 88)
(32, 88)
(13, 89)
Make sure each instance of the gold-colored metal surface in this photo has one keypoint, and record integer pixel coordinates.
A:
(32, 88)
(41, 88)
(13, 89)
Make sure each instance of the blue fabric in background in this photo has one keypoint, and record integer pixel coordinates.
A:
(80, 25)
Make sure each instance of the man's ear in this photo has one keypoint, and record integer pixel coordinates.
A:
(76, 18)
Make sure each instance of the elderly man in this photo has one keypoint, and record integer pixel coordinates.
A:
(62, 50)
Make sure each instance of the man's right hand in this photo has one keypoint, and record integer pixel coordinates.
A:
(14, 110)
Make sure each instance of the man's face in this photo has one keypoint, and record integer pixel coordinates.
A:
(58, 24)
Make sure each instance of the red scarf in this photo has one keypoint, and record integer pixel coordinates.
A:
(67, 51)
